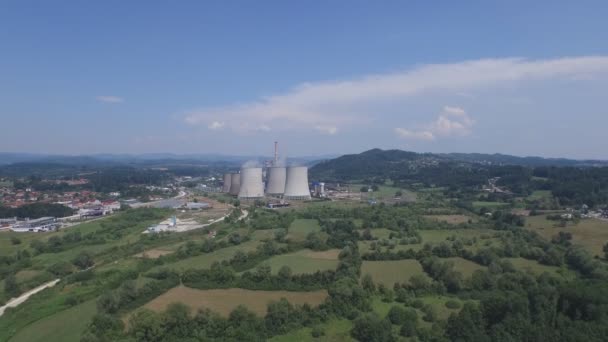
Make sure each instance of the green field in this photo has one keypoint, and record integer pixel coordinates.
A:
(464, 266)
(206, 260)
(223, 301)
(536, 268)
(300, 228)
(305, 261)
(589, 233)
(391, 271)
(64, 326)
(540, 195)
(335, 330)
(489, 205)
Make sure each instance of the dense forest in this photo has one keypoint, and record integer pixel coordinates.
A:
(36, 210)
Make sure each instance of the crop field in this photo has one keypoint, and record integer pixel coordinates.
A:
(464, 266)
(590, 233)
(537, 268)
(335, 330)
(489, 205)
(223, 301)
(206, 260)
(391, 271)
(305, 261)
(451, 219)
(300, 228)
(66, 325)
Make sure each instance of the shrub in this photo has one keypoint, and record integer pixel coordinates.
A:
(317, 332)
(452, 304)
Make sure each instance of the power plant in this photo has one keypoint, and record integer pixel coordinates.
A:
(235, 184)
(252, 186)
(227, 182)
(277, 176)
(296, 186)
(287, 182)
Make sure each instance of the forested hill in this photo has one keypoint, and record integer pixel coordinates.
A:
(394, 163)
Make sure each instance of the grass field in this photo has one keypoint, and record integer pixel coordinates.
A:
(225, 300)
(465, 266)
(451, 219)
(305, 261)
(206, 260)
(64, 326)
(540, 195)
(489, 205)
(335, 330)
(300, 228)
(391, 271)
(536, 268)
(590, 233)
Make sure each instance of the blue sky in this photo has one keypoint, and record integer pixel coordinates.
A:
(519, 77)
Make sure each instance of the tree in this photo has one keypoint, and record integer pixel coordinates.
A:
(605, 250)
(145, 326)
(368, 284)
(399, 315)
(10, 286)
(285, 272)
(371, 328)
(15, 240)
(83, 260)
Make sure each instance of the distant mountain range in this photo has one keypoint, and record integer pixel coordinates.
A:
(7, 158)
(375, 157)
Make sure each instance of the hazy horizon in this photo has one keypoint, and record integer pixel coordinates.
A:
(519, 78)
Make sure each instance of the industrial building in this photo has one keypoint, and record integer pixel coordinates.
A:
(43, 224)
(227, 182)
(235, 184)
(277, 176)
(252, 185)
(296, 185)
(282, 182)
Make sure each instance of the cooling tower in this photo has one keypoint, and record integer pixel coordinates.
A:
(235, 183)
(227, 181)
(251, 183)
(276, 180)
(296, 187)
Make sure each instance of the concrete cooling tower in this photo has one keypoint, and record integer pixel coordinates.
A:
(227, 181)
(251, 183)
(276, 180)
(296, 187)
(235, 183)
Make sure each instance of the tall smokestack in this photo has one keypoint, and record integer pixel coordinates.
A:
(276, 152)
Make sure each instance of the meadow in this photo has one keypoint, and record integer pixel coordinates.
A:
(392, 271)
(589, 233)
(223, 301)
(305, 261)
(300, 228)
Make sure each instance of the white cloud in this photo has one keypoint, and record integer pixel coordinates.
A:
(110, 99)
(331, 130)
(414, 135)
(452, 121)
(216, 125)
(336, 104)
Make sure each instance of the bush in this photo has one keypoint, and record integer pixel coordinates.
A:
(15, 240)
(317, 332)
(397, 315)
(418, 304)
(452, 304)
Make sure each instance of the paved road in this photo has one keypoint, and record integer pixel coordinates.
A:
(19, 300)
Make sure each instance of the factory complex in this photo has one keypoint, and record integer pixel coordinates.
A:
(275, 180)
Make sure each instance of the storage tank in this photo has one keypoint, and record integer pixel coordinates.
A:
(227, 181)
(277, 175)
(252, 185)
(235, 183)
(296, 187)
